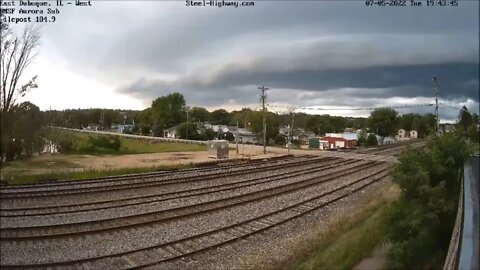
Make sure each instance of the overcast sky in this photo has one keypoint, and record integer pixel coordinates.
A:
(330, 54)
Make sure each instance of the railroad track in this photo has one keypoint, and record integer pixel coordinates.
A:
(77, 188)
(142, 199)
(397, 150)
(389, 148)
(79, 228)
(154, 255)
(112, 179)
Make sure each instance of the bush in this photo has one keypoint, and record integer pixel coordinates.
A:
(65, 145)
(371, 140)
(99, 144)
(157, 131)
(145, 130)
(423, 217)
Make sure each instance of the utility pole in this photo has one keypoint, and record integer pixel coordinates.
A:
(288, 140)
(186, 135)
(290, 129)
(436, 104)
(236, 138)
(263, 98)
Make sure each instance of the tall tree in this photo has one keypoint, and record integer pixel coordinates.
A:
(241, 117)
(169, 110)
(383, 121)
(199, 114)
(256, 125)
(371, 140)
(18, 50)
(220, 117)
(192, 131)
(464, 118)
(25, 122)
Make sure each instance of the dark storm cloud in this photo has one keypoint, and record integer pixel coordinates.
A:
(455, 80)
(309, 48)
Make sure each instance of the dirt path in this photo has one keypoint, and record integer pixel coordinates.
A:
(376, 260)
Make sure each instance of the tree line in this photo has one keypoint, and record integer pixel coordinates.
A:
(171, 110)
(22, 124)
(421, 221)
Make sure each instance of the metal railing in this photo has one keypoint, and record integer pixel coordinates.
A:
(463, 252)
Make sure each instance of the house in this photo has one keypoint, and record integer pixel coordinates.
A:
(246, 136)
(171, 132)
(217, 128)
(403, 135)
(124, 128)
(338, 140)
(283, 130)
(302, 136)
(92, 127)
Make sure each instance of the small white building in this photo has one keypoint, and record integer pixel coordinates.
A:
(171, 132)
(388, 140)
(217, 128)
(403, 135)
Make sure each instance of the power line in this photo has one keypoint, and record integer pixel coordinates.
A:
(351, 109)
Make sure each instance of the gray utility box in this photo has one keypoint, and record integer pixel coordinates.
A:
(217, 149)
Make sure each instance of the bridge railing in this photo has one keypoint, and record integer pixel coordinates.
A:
(463, 252)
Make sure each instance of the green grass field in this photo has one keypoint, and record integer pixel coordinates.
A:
(49, 167)
(138, 147)
(15, 176)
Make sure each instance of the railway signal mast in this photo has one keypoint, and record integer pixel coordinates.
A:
(436, 104)
(263, 98)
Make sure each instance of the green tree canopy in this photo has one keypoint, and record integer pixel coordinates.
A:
(371, 140)
(220, 117)
(192, 131)
(169, 110)
(421, 220)
(362, 138)
(199, 114)
(383, 121)
(256, 124)
(23, 137)
(464, 119)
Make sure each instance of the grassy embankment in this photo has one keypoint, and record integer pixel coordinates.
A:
(72, 142)
(346, 240)
(61, 166)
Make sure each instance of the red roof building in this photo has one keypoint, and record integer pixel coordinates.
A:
(330, 142)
